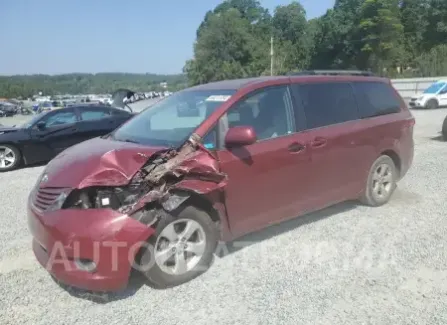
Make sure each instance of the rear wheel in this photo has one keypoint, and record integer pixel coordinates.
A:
(381, 182)
(432, 104)
(9, 157)
(182, 248)
(444, 129)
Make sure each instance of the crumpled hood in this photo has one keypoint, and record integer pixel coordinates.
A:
(97, 162)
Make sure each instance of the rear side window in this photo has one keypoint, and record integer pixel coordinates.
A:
(93, 114)
(327, 103)
(376, 98)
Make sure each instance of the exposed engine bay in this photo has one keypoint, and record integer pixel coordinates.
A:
(158, 183)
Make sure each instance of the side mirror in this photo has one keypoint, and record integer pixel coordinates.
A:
(240, 136)
(41, 125)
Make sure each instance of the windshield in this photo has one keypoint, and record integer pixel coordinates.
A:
(32, 121)
(171, 121)
(435, 88)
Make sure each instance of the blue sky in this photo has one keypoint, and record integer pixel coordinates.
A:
(60, 36)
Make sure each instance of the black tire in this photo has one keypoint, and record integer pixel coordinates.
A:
(155, 275)
(444, 129)
(17, 156)
(432, 104)
(369, 196)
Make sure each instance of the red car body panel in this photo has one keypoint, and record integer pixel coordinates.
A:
(61, 236)
(97, 162)
(312, 169)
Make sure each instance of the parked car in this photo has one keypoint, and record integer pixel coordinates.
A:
(166, 186)
(8, 109)
(50, 132)
(433, 97)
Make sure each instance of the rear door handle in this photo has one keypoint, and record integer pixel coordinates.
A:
(296, 147)
(319, 142)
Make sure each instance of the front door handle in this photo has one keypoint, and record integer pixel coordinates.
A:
(319, 142)
(296, 147)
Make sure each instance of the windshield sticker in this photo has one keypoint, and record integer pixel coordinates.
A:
(218, 98)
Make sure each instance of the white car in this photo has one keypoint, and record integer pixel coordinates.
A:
(433, 97)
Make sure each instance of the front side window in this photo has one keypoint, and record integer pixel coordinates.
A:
(376, 98)
(59, 118)
(268, 111)
(171, 121)
(328, 103)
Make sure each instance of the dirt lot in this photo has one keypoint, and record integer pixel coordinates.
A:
(346, 265)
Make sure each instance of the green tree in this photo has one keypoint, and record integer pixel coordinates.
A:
(293, 38)
(227, 47)
(382, 34)
(433, 63)
(436, 31)
(414, 16)
(336, 38)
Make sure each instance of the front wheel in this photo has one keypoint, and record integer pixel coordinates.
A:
(381, 182)
(432, 104)
(181, 249)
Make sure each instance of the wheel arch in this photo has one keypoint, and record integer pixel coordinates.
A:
(395, 157)
(213, 203)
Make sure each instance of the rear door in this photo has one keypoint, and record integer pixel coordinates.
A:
(340, 152)
(267, 180)
(95, 122)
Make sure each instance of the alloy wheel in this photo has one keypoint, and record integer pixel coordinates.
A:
(180, 246)
(7, 157)
(382, 181)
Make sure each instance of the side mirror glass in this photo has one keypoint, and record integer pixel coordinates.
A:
(240, 136)
(41, 125)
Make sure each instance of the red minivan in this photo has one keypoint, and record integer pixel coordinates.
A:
(212, 163)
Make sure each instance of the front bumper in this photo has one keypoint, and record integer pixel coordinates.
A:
(103, 236)
(415, 103)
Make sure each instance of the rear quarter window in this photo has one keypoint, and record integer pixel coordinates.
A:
(376, 98)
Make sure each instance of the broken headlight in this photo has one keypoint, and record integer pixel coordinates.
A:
(102, 198)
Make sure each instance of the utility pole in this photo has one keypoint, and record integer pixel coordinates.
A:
(271, 56)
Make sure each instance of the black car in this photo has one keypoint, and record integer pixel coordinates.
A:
(7, 109)
(49, 133)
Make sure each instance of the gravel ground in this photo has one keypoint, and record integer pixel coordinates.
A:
(345, 265)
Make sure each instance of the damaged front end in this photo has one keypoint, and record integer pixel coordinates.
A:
(164, 182)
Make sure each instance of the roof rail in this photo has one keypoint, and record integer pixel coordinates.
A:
(332, 73)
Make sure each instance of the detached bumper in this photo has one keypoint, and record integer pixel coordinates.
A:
(64, 239)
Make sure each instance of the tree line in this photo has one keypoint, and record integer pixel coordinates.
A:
(395, 38)
(26, 86)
